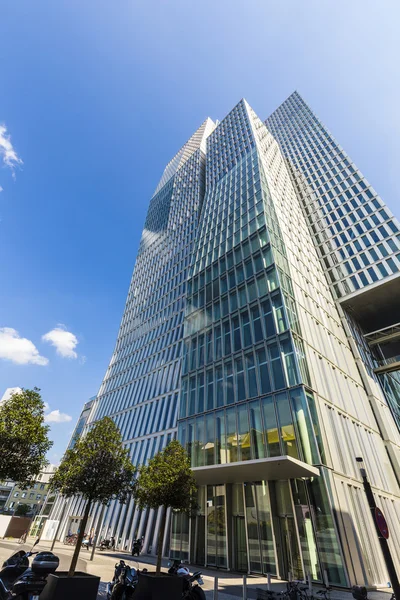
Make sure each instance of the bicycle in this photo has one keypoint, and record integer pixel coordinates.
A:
(70, 540)
(292, 592)
(325, 594)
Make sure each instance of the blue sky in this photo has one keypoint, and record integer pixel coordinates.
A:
(97, 96)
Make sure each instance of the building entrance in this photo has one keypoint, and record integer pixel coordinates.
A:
(287, 543)
(260, 527)
(261, 556)
(290, 559)
(252, 527)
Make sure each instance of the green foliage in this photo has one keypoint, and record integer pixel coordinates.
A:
(167, 480)
(22, 510)
(98, 467)
(23, 437)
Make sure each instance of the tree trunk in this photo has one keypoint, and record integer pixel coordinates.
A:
(161, 538)
(81, 533)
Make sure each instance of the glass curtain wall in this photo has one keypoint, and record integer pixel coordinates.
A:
(273, 425)
(279, 527)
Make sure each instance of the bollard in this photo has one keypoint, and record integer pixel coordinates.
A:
(310, 592)
(216, 587)
(244, 587)
(269, 582)
(290, 577)
(326, 580)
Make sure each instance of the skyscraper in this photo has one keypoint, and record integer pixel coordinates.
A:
(241, 312)
(356, 236)
(141, 386)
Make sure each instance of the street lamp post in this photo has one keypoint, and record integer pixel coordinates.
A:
(59, 523)
(381, 529)
(98, 531)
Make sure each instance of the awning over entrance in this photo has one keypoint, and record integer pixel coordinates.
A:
(279, 467)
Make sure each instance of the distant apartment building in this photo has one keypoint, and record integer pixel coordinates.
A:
(5, 491)
(34, 497)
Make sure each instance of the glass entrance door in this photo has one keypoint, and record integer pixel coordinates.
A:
(259, 528)
(239, 540)
(291, 556)
(216, 526)
(290, 560)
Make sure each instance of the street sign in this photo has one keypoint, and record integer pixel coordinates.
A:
(381, 523)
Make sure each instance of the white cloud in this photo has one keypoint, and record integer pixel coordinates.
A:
(55, 416)
(1, 189)
(7, 151)
(18, 349)
(64, 341)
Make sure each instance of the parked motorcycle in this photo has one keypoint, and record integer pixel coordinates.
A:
(137, 546)
(124, 582)
(191, 583)
(107, 544)
(19, 582)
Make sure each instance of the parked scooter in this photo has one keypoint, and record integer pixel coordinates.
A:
(19, 582)
(192, 583)
(124, 582)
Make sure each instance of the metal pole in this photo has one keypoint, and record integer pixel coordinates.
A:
(216, 587)
(326, 578)
(309, 579)
(244, 587)
(268, 581)
(383, 542)
(59, 524)
(98, 530)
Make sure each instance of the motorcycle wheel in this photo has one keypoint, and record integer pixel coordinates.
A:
(119, 593)
(196, 593)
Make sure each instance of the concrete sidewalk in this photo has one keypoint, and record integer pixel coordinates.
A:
(230, 585)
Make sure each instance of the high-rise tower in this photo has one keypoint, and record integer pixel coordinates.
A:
(356, 236)
(141, 386)
(237, 307)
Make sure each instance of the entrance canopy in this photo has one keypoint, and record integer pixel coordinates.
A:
(278, 467)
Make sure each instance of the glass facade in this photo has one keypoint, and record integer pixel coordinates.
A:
(357, 237)
(245, 383)
(83, 418)
(242, 336)
(141, 386)
(356, 234)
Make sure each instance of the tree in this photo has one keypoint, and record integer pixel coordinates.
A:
(167, 482)
(98, 468)
(23, 437)
(22, 510)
